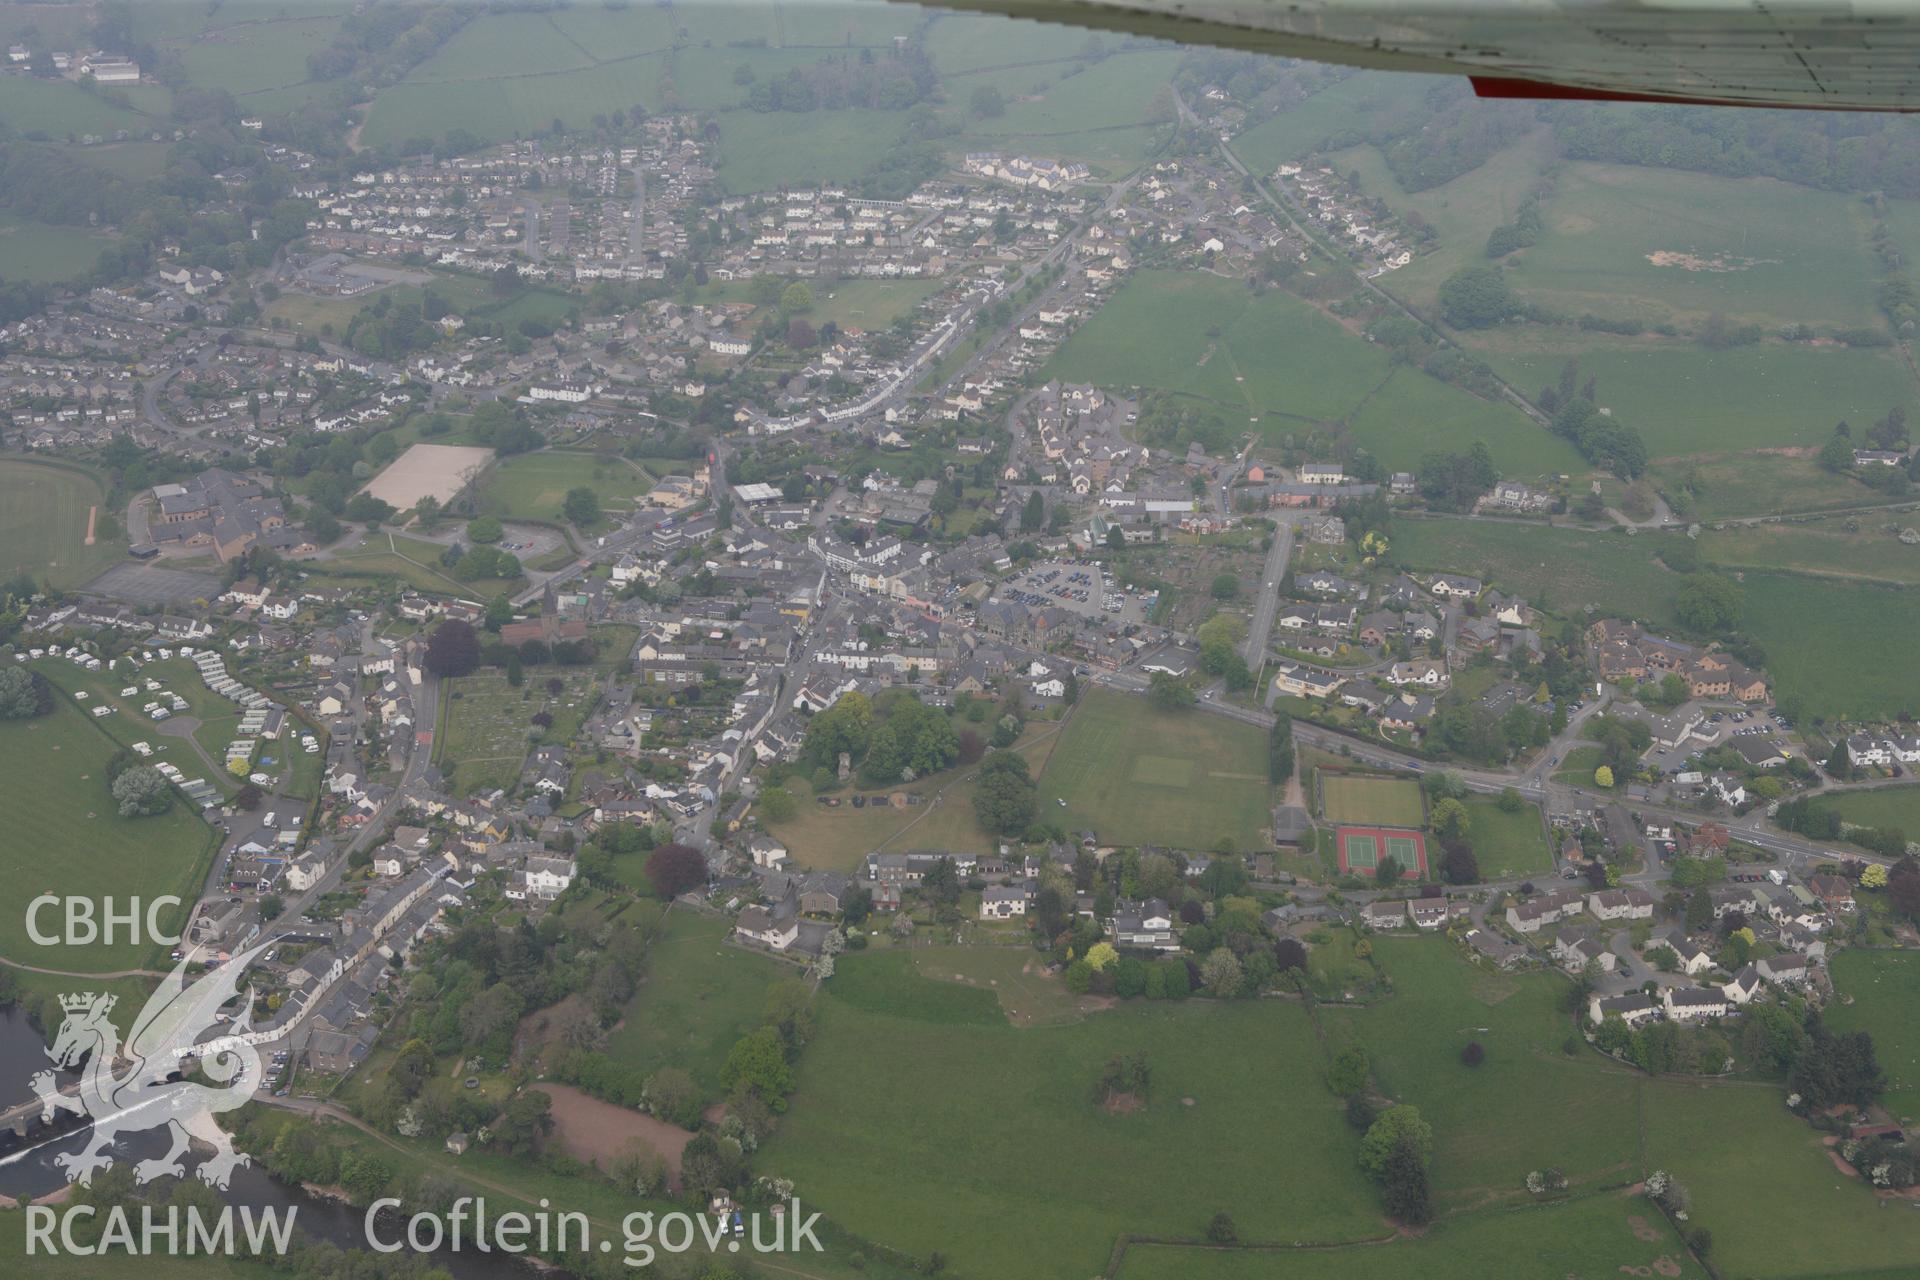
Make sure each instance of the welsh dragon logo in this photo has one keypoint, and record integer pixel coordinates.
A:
(165, 1038)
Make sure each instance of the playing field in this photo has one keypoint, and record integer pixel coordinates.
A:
(1134, 775)
(43, 523)
(533, 486)
(1364, 801)
(65, 837)
(1508, 844)
(438, 471)
(1880, 807)
(1362, 850)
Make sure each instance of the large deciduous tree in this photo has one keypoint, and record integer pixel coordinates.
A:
(672, 869)
(1004, 794)
(453, 649)
(142, 792)
(23, 694)
(1396, 1125)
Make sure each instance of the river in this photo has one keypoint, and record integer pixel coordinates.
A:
(30, 1174)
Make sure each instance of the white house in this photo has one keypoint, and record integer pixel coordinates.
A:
(1744, 985)
(1384, 915)
(1146, 924)
(1530, 916)
(1693, 961)
(1629, 903)
(1865, 750)
(547, 877)
(1695, 1004)
(1003, 901)
(561, 392)
(1632, 1008)
(758, 924)
(1786, 969)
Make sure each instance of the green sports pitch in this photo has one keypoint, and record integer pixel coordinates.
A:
(1362, 848)
(1360, 800)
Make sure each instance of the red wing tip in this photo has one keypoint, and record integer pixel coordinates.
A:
(1546, 91)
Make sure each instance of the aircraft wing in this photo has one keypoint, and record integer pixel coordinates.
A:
(1850, 55)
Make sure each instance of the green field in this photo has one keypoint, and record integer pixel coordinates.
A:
(1884, 989)
(1880, 807)
(1100, 114)
(59, 109)
(836, 838)
(1507, 844)
(851, 304)
(868, 304)
(66, 838)
(920, 1110)
(699, 996)
(1688, 400)
(1839, 648)
(762, 151)
(1755, 250)
(1527, 1106)
(1555, 569)
(468, 295)
(1462, 212)
(257, 58)
(1027, 993)
(217, 717)
(533, 486)
(517, 44)
(961, 45)
(1766, 1188)
(1337, 970)
(1741, 484)
(1139, 776)
(1276, 358)
(1371, 802)
(1337, 116)
(42, 251)
(43, 523)
(134, 160)
(1272, 354)
(1578, 766)
(507, 75)
(1823, 547)
(1411, 415)
(1608, 1233)
(498, 109)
